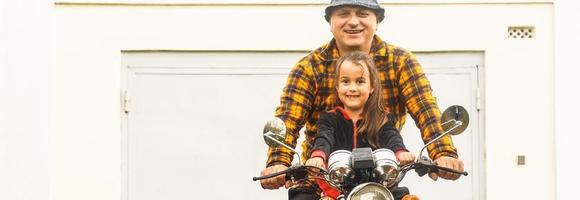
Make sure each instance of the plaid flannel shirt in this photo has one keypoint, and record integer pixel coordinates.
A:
(309, 91)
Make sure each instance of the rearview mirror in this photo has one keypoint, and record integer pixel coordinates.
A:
(274, 132)
(451, 116)
(275, 135)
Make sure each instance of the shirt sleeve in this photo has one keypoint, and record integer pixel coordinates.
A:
(325, 135)
(422, 105)
(295, 105)
(390, 138)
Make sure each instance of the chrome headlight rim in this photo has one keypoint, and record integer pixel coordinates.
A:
(382, 189)
(386, 166)
(339, 168)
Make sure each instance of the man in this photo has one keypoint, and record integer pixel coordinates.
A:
(405, 88)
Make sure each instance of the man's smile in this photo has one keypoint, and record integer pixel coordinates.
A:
(353, 31)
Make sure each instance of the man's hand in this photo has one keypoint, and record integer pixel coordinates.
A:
(448, 162)
(274, 182)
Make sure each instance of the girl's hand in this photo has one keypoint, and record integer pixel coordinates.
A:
(316, 162)
(405, 157)
(326, 198)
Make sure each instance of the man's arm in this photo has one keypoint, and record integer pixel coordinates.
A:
(422, 105)
(419, 100)
(295, 105)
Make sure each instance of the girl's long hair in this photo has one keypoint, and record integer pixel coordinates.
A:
(374, 114)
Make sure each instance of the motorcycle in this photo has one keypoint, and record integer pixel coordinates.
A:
(364, 174)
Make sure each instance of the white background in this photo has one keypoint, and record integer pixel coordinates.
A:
(59, 123)
(26, 103)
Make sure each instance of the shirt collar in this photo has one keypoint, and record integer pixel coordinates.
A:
(343, 112)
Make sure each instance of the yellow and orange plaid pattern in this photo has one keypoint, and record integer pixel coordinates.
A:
(309, 91)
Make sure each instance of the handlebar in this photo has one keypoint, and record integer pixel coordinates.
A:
(435, 168)
(300, 172)
(424, 166)
(293, 172)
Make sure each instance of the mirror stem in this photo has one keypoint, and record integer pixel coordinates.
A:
(457, 124)
(284, 145)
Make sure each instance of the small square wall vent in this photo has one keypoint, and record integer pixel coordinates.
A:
(521, 32)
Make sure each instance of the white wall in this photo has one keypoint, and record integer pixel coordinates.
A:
(321, 2)
(567, 94)
(87, 139)
(25, 99)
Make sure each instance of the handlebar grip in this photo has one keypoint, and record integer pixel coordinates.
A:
(425, 166)
(273, 174)
(449, 170)
(294, 170)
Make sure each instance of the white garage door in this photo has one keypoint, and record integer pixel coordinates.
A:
(454, 78)
(194, 119)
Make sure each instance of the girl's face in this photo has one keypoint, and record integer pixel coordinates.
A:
(354, 86)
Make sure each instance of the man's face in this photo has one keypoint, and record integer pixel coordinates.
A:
(353, 27)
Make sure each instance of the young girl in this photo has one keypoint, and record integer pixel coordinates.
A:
(360, 119)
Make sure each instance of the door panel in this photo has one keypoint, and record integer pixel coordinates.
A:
(193, 136)
(193, 129)
(452, 86)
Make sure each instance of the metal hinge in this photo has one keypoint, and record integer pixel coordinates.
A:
(126, 100)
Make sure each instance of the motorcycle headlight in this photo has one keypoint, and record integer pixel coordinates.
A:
(339, 166)
(370, 191)
(386, 166)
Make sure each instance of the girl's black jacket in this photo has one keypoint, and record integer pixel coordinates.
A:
(337, 132)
